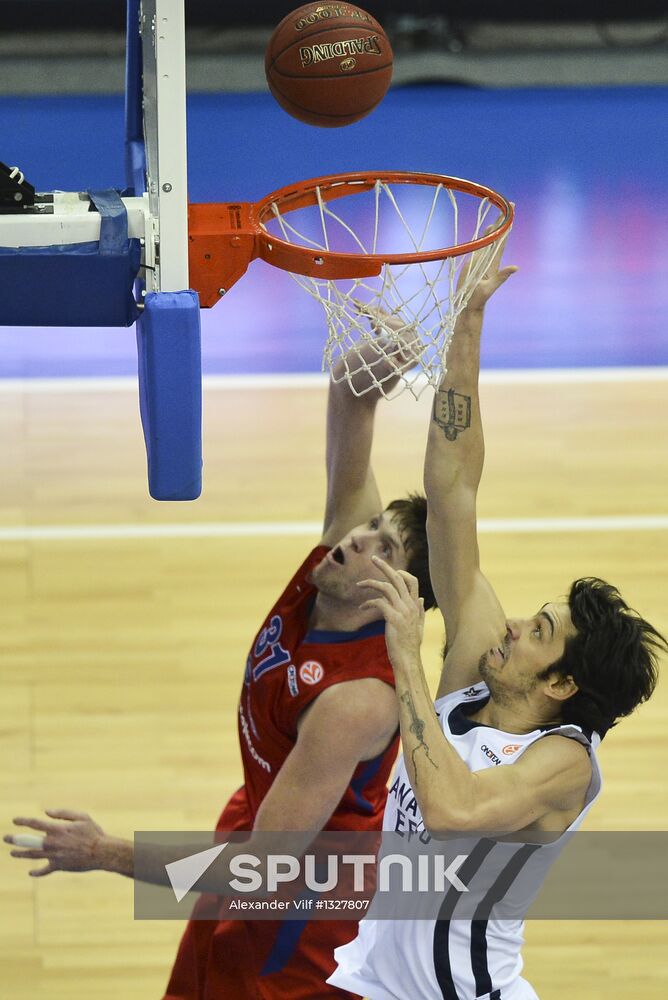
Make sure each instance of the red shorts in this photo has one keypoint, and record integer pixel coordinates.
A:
(255, 960)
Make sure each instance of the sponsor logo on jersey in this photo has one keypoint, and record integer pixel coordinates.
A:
(511, 748)
(251, 719)
(490, 753)
(293, 687)
(249, 743)
(311, 672)
(472, 692)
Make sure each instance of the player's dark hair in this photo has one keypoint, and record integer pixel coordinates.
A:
(612, 659)
(411, 518)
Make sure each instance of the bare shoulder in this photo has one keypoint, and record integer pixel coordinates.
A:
(365, 699)
(362, 713)
(558, 757)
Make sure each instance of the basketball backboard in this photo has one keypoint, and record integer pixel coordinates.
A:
(158, 213)
(162, 29)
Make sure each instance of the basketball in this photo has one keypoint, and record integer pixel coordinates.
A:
(328, 64)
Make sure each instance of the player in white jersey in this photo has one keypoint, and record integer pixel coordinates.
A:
(509, 746)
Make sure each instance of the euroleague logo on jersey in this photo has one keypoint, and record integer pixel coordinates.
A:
(509, 749)
(311, 672)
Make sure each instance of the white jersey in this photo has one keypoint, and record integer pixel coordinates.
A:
(442, 957)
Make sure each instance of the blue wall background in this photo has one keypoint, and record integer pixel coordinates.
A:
(586, 168)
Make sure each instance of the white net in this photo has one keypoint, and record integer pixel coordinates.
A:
(391, 332)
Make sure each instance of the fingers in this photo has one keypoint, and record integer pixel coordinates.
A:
(373, 313)
(32, 840)
(35, 855)
(378, 318)
(378, 603)
(496, 278)
(392, 615)
(387, 590)
(499, 248)
(495, 262)
(35, 824)
(505, 273)
(388, 323)
(404, 582)
(412, 584)
(31, 854)
(390, 593)
(368, 310)
(69, 814)
(401, 588)
(39, 872)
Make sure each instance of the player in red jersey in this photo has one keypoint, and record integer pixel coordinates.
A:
(318, 727)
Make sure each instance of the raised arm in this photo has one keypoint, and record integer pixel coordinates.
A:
(352, 494)
(474, 619)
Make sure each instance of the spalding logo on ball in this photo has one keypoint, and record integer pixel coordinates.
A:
(328, 64)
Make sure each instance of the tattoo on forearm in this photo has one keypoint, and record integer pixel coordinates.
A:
(452, 412)
(417, 729)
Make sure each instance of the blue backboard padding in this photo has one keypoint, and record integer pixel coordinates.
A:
(170, 393)
(68, 285)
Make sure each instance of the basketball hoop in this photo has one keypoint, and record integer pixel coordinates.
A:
(393, 266)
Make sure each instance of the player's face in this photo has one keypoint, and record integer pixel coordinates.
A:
(351, 560)
(528, 647)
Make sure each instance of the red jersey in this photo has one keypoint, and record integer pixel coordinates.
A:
(287, 668)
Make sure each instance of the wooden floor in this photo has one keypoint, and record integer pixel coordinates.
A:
(121, 657)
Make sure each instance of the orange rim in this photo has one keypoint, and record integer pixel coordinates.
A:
(332, 264)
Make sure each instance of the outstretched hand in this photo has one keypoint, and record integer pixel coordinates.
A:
(395, 348)
(493, 278)
(66, 846)
(394, 334)
(401, 606)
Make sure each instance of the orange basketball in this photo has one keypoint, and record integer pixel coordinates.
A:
(328, 64)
